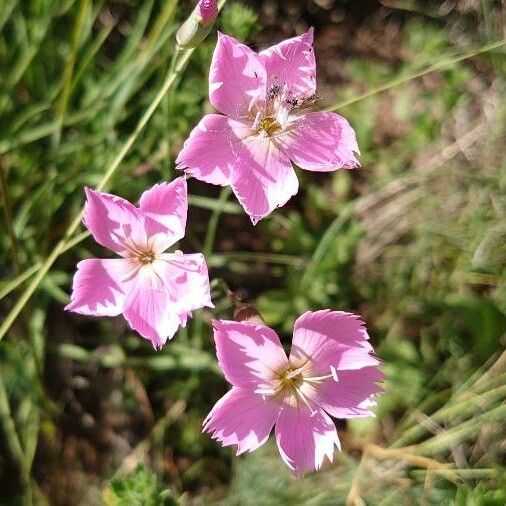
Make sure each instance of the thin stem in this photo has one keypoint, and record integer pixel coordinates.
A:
(214, 220)
(18, 280)
(324, 244)
(208, 250)
(61, 246)
(402, 80)
(166, 115)
(68, 72)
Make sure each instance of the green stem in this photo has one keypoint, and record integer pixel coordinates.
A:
(18, 280)
(62, 245)
(324, 244)
(402, 80)
(166, 115)
(208, 249)
(214, 220)
(68, 72)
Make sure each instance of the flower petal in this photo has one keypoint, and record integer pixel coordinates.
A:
(167, 203)
(292, 62)
(236, 78)
(147, 309)
(99, 287)
(114, 222)
(351, 395)
(320, 141)
(248, 354)
(263, 177)
(241, 418)
(326, 339)
(186, 280)
(210, 153)
(305, 438)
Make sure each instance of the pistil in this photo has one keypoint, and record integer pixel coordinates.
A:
(270, 126)
(146, 257)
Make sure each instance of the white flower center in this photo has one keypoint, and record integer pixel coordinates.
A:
(293, 387)
(142, 255)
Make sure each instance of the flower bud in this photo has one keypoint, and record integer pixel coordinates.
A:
(208, 10)
(197, 27)
(247, 313)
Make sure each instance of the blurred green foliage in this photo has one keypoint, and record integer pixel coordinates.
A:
(140, 489)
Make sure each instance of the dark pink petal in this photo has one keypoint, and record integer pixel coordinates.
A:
(350, 395)
(113, 221)
(248, 354)
(187, 281)
(305, 438)
(236, 78)
(100, 286)
(320, 141)
(292, 62)
(241, 418)
(167, 204)
(208, 10)
(263, 177)
(210, 153)
(330, 339)
(147, 310)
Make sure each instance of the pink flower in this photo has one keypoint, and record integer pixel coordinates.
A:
(263, 127)
(330, 371)
(156, 291)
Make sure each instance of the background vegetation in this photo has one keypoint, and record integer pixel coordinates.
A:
(414, 240)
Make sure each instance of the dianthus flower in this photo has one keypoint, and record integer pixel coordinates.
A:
(263, 126)
(155, 290)
(331, 370)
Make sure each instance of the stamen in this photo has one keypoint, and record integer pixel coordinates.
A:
(270, 125)
(295, 372)
(146, 257)
(266, 391)
(170, 259)
(318, 379)
(304, 399)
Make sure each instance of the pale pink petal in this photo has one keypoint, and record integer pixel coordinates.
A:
(248, 354)
(263, 177)
(167, 203)
(241, 418)
(147, 309)
(210, 153)
(186, 281)
(320, 141)
(351, 395)
(305, 438)
(113, 221)
(292, 62)
(236, 78)
(330, 339)
(100, 286)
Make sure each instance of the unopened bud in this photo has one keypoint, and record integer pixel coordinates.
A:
(208, 10)
(247, 313)
(197, 27)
